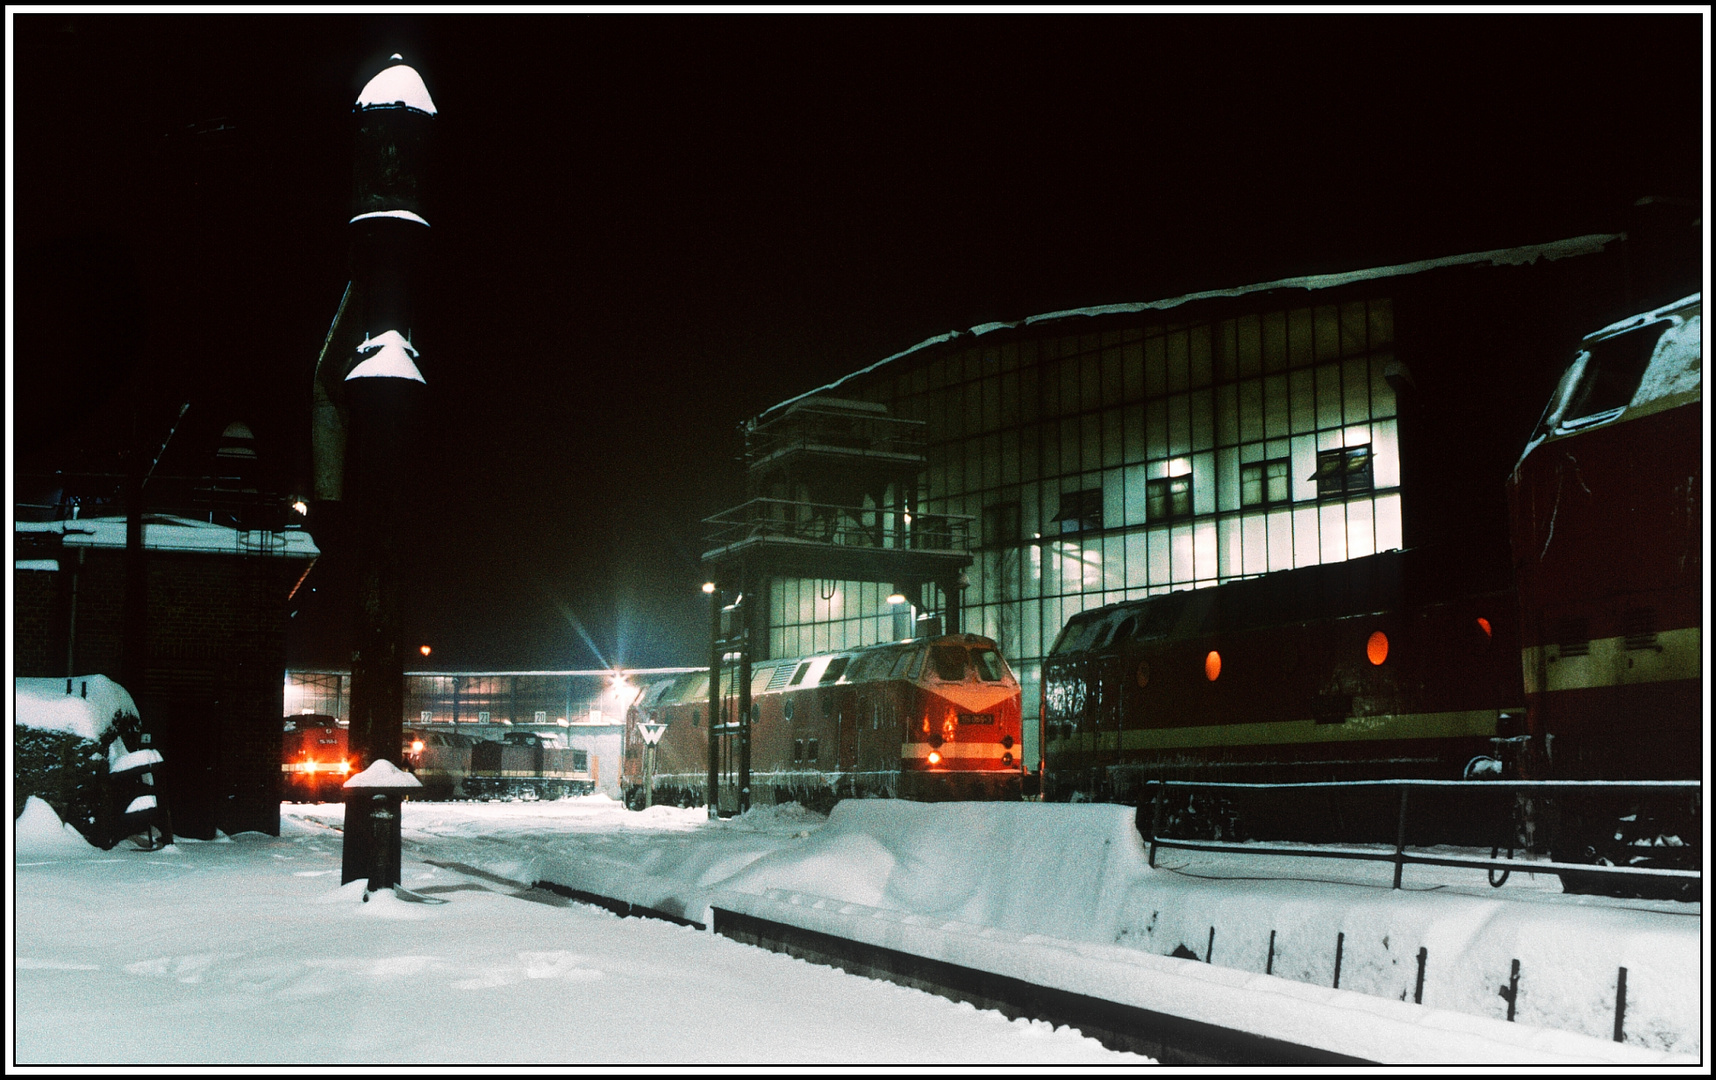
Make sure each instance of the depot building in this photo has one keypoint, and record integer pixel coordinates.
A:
(1088, 456)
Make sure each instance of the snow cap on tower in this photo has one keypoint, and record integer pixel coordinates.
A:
(391, 356)
(396, 87)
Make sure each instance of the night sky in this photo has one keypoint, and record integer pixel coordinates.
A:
(647, 228)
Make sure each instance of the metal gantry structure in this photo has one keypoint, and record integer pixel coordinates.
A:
(832, 493)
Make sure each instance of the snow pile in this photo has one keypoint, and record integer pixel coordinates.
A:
(1029, 867)
(39, 834)
(1062, 895)
(383, 774)
(87, 710)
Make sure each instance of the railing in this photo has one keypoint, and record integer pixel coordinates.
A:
(850, 526)
(836, 431)
(1400, 856)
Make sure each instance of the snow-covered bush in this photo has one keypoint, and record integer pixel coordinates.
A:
(62, 746)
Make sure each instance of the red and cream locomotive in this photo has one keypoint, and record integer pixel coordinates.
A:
(1581, 661)
(930, 719)
(1608, 541)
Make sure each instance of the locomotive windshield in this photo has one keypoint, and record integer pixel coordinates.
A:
(990, 667)
(949, 662)
(1606, 375)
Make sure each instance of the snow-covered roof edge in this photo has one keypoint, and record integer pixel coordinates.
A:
(167, 532)
(1516, 256)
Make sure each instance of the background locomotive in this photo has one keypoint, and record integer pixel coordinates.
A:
(450, 765)
(522, 765)
(314, 762)
(1344, 671)
(933, 718)
(1579, 661)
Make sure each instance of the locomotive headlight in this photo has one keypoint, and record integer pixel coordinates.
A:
(416, 746)
(934, 758)
(345, 767)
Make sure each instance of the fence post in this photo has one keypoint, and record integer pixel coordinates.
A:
(1400, 838)
(1510, 992)
(1340, 944)
(1418, 993)
(1155, 821)
(1620, 1005)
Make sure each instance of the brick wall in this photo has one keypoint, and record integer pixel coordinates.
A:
(215, 669)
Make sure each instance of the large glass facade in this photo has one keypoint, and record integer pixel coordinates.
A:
(1114, 465)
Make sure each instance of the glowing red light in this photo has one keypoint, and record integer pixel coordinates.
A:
(1376, 649)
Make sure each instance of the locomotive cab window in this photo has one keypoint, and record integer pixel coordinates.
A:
(1075, 637)
(832, 672)
(1603, 380)
(989, 665)
(949, 662)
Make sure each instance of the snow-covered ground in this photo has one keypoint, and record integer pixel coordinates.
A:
(249, 951)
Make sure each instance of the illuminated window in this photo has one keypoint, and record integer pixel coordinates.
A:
(1080, 510)
(1264, 482)
(1343, 471)
(1168, 499)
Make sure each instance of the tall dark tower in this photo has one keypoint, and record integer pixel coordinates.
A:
(368, 392)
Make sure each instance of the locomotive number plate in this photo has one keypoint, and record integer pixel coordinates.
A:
(976, 718)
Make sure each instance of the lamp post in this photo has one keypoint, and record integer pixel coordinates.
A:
(715, 649)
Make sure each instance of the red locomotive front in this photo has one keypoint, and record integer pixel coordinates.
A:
(313, 758)
(1608, 551)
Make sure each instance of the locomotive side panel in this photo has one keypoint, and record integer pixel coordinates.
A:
(1610, 545)
(1327, 673)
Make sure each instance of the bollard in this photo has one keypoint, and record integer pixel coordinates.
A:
(378, 789)
(1269, 964)
(1209, 947)
(1340, 945)
(1418, 993)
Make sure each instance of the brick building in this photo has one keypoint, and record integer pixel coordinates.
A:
(215, 653)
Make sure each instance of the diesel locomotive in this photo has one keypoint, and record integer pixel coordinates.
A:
(933, 718)
(1573, 656)
(315, 763)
